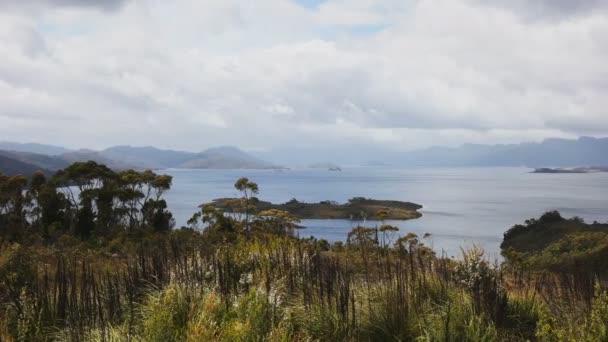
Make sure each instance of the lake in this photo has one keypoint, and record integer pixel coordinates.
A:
(461, 205)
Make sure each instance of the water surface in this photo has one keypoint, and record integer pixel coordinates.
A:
(461, 205)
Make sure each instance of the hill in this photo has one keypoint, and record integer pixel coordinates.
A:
(225, 157)
(129, 157)
(146, 157)
(41, 161)
(10, 166)
(553, 152)
(50, 150)
(557, 244)
(550, 152)
(86, 155)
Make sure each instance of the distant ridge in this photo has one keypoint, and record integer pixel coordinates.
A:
(10, 166)
(127, 157)
(33, 148)
(42, 161)
(552, 152)
(147, 156)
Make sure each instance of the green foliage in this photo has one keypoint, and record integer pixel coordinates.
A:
(557, 244)
(591, 325)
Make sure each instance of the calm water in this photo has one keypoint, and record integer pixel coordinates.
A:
(461, 206)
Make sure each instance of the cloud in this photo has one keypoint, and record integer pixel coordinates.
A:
(106, 5)
(549, 9)
(191, 74)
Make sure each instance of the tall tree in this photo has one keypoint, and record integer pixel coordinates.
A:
(248, 190)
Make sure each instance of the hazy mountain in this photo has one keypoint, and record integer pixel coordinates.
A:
(10, 166)
(554, 152)
(128, 157)
(33, 148)
(147, 157)
(86, 155)
(584, 151)
(225, 157)
(41, 161)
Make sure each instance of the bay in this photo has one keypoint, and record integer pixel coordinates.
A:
(462, 206)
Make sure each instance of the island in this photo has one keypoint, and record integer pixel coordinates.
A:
(571, 170)
(358, 208)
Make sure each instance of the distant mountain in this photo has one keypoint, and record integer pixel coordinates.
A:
(225, 157)
(10, 166)
(128, 157)
(147, 157)
(553, 152)
(33, 148)
(41, 161)
(86, 155)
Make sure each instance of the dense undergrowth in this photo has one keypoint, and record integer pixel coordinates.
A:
(246, 278)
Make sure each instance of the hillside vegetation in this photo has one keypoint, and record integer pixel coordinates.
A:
(103, 264)
(555, 243)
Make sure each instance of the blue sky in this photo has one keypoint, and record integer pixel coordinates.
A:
(310, 3)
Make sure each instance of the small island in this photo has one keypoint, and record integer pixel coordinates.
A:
(571, 170)
(357, 208)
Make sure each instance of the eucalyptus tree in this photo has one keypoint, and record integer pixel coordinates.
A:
(140, 197)
(277, 221)
(102, 198)
(94, 197)
(13, 203)
(248, 191)
(48, 206)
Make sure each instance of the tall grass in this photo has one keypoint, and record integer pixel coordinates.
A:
(283, 289)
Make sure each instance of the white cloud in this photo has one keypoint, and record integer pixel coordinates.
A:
(190, 74)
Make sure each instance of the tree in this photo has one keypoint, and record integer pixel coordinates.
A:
(279, 222)
(388, 234)
(248, 191)
(12, 205)
(91, 179)
(101, 198)
(140, 196)
(48, 205)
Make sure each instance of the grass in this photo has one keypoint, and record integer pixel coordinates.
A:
(282, 289)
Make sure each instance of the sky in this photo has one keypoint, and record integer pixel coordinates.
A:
(266, 74)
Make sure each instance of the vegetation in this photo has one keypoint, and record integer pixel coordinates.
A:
(555, 243)
(357, 208)
(88, 255)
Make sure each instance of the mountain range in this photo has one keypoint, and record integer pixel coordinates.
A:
(26, 158)
(584, 151)
(553, 152)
